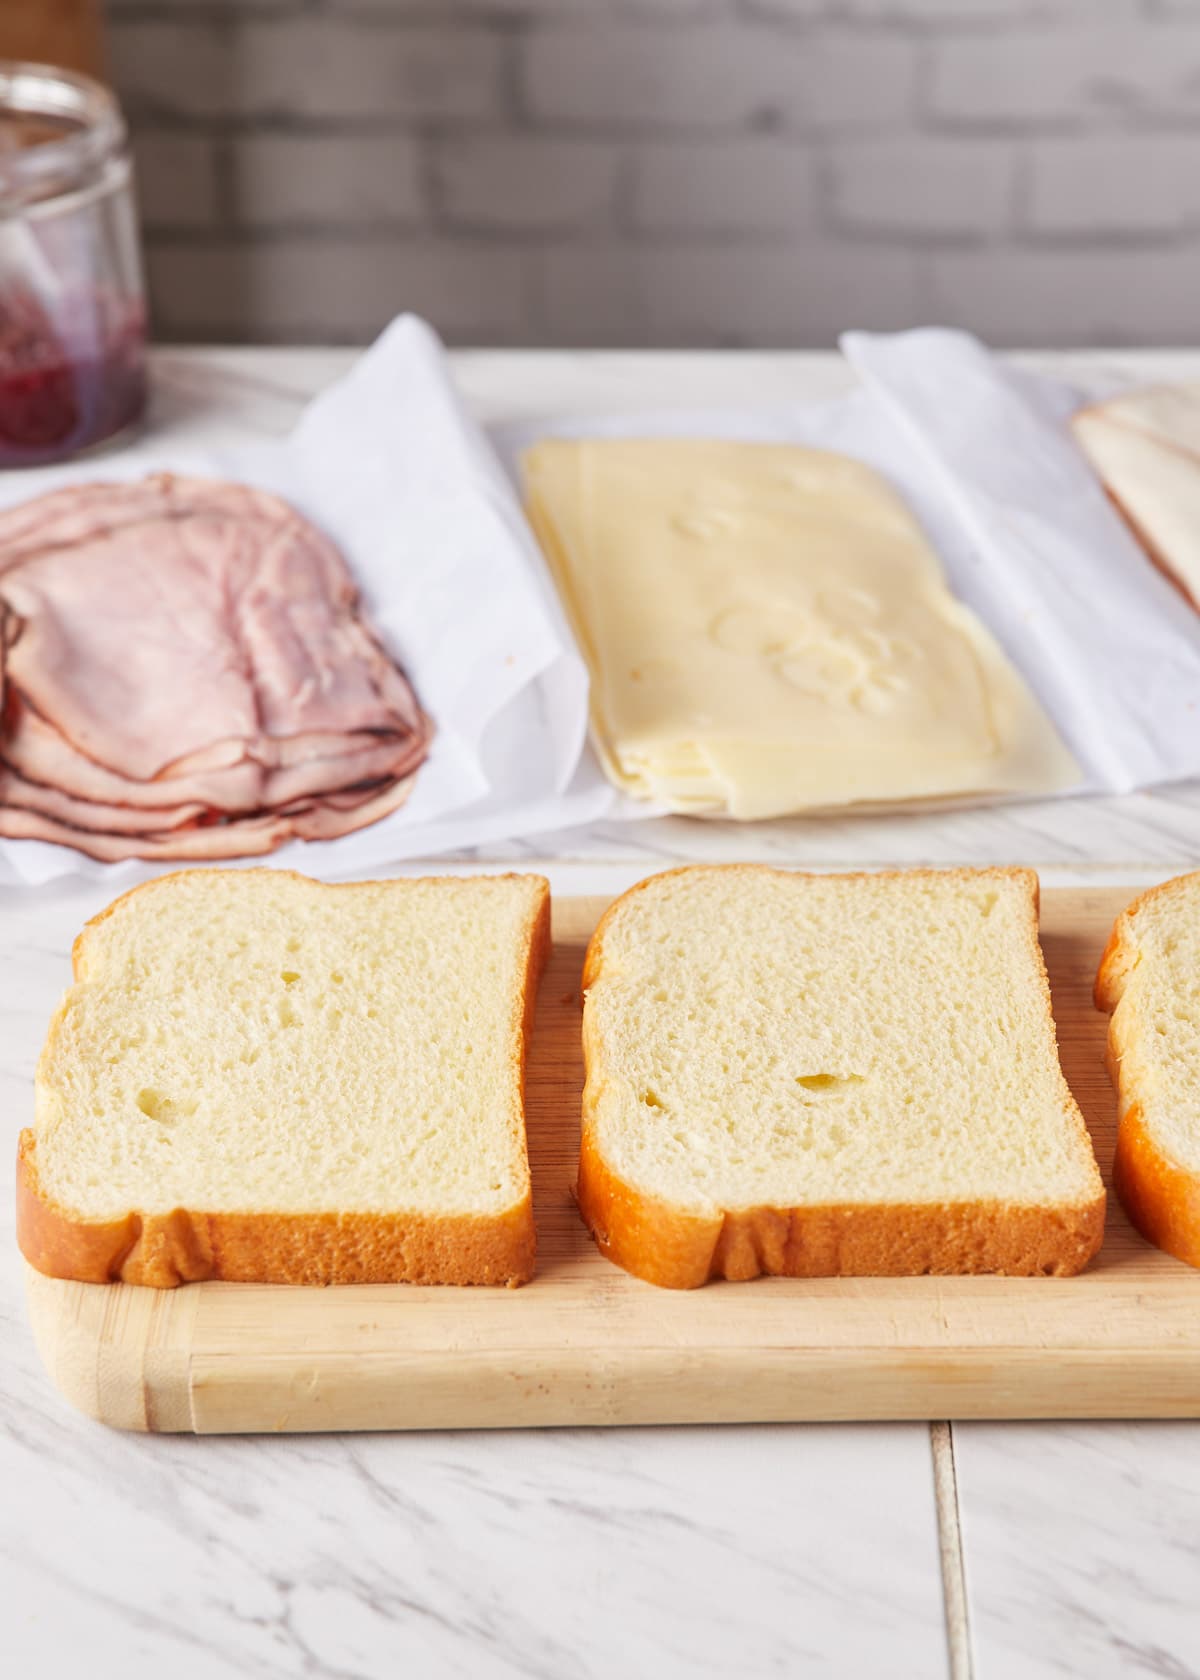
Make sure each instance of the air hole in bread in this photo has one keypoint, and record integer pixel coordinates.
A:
(289, 976)
(828, 1081)
(155, 1105)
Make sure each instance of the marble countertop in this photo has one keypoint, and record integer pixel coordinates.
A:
(990, 1550)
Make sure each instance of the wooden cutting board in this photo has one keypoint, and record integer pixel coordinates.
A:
(586, 1344)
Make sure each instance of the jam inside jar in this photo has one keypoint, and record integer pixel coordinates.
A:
(72, 309)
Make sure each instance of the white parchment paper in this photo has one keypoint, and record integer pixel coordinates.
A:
(426, 510)
(389, 463)
(981, 452)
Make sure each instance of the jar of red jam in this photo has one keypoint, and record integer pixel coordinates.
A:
(72, 302)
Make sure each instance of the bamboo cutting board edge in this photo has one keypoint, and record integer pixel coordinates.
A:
(586, 1344)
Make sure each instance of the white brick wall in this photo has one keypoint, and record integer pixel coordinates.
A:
(725, 186)
(898, 188)
(668, 171)
(523, 184)
(1095, 71)
(325, 292)
(325, 181)
(1151, 187)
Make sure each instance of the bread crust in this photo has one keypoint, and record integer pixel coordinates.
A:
(1161, 1198)
(676, 1248)
(161, 1250)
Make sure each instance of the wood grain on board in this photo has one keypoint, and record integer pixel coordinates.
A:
(587, 1344)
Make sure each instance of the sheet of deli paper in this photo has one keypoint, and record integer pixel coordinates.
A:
(982, 453)
(388, 462)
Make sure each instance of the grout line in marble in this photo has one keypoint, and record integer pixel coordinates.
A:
(950, 1547)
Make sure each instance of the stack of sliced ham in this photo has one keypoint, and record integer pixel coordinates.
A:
(187, 674)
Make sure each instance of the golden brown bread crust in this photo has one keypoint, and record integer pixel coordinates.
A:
(1161, 1198)
(188, 1246)
(672, 1246)
(162, 1250)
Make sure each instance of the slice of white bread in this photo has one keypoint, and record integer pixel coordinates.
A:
(821, 1075)
(1145, 446)
(1149, 980)
(259, 1078)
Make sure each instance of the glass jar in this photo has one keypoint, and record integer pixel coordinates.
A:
(72, 302)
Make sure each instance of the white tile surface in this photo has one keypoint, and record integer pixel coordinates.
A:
(568, 1555)
(1082, 1546)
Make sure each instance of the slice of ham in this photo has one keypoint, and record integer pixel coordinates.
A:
(329, 820)
(236, 620)
(35, 750)
(87, 813)
(243, 837)
(186, 673)
(239, 837)
(71, 517)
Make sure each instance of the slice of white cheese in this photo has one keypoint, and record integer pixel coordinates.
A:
(768, 631)
(1146, 448)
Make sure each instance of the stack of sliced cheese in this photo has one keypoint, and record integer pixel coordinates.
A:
(768, 631)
